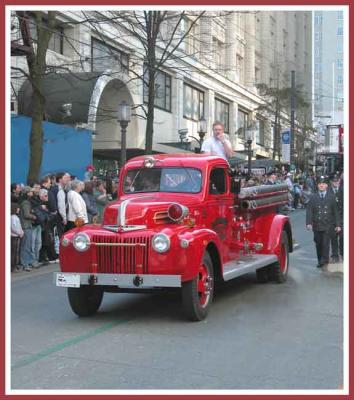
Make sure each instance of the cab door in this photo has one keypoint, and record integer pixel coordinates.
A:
(219, 209)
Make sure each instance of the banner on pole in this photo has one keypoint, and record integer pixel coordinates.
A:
(285, 149)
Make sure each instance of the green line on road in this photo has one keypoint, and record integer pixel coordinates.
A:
(67, 343)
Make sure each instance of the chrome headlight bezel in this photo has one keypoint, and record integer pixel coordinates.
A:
(161, 243)
(84, 238)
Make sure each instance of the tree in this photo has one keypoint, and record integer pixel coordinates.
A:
(36, 62)
(159, 34)
(277, 106)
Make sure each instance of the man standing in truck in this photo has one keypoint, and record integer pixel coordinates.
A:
(218, 144)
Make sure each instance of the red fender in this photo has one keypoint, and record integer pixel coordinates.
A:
(279, 224)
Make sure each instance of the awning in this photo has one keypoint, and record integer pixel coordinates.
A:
(166, 149)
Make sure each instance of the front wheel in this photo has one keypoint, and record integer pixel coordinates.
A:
(279, 270)
(86, 300)
(197, 294)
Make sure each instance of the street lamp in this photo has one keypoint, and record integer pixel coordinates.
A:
(124, 114)
(249, 140)
(183, 137)
(202, 130)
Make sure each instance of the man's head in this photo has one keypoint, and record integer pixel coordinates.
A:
(46, 182)
(335, 181)
(63, 178)
(322, 183)
(218, 129)
(272, 176)
(36, 188)
(43, 194)
(27, 191)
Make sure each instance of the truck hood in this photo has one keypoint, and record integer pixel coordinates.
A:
(147, 210)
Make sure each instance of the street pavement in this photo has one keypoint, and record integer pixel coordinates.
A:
(268, 336)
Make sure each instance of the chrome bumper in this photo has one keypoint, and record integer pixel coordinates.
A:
(124, 281)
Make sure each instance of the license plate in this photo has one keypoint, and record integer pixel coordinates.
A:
(68, 280)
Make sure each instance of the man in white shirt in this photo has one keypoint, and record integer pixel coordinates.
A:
(218, 144)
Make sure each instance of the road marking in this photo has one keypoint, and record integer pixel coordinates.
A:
(54, 349)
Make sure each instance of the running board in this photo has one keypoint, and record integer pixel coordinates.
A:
(233, 269)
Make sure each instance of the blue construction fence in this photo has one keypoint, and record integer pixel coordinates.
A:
(64, 149)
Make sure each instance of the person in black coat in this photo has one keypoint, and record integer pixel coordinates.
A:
(321, 217)
(337, 237)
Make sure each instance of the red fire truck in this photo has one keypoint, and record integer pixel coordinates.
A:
(183, 222)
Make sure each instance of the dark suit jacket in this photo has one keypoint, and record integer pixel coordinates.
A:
(322, 214)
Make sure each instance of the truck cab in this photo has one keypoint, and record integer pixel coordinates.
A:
(181, 221)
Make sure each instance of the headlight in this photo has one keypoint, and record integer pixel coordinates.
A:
(161, 243)
(81, 242)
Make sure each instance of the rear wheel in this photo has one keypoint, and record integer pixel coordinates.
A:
(86, 300)
(279, 270)
(197, 294)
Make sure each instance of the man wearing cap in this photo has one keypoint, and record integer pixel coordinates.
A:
(321, 217)
(337, 237)
(271, 178)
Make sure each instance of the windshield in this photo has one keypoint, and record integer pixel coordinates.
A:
(178, 180)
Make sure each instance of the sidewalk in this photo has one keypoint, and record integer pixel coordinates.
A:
(42, 270)
(335, 268)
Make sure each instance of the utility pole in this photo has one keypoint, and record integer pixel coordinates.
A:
(292, 118)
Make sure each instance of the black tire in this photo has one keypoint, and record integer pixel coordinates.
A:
(279, 270)
(262, 275)
(86, 300)
(197, 294)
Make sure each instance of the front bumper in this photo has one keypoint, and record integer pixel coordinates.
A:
(124, 281)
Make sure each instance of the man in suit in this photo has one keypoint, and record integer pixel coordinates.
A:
(321, 217)
(337, 237)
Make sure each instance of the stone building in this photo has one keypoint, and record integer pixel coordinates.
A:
(98, 62)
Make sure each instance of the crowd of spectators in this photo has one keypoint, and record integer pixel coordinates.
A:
(42, 211)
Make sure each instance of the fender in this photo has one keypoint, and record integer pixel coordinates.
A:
(279, 224)
(199, 240)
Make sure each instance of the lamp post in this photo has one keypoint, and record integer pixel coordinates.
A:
(183, 137)
(249, 140)
(124, 114)
(202, 132)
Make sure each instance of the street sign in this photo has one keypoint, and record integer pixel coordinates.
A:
(285, 150)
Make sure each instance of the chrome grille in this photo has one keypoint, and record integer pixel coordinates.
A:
(117, 255)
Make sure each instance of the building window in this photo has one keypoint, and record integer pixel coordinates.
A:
(222, 113)
(192, 40)
(162, 89)
(242, 123)
(318, 36)
(105, 57)
(260, 123)
(193, 102)
(339, 47)
(239, 68)
(340, 31)
(218, 54)
(340, 79)
(57, 39)
(318, 19)
(339, 63)
(340, 15)
(318, 67)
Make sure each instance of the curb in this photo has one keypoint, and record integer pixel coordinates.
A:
(335, 268)
(43, 270)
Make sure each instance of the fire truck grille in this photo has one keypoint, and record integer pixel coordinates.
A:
(116, 255)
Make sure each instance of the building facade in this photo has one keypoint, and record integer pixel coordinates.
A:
(99, 61)
(328, 73)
